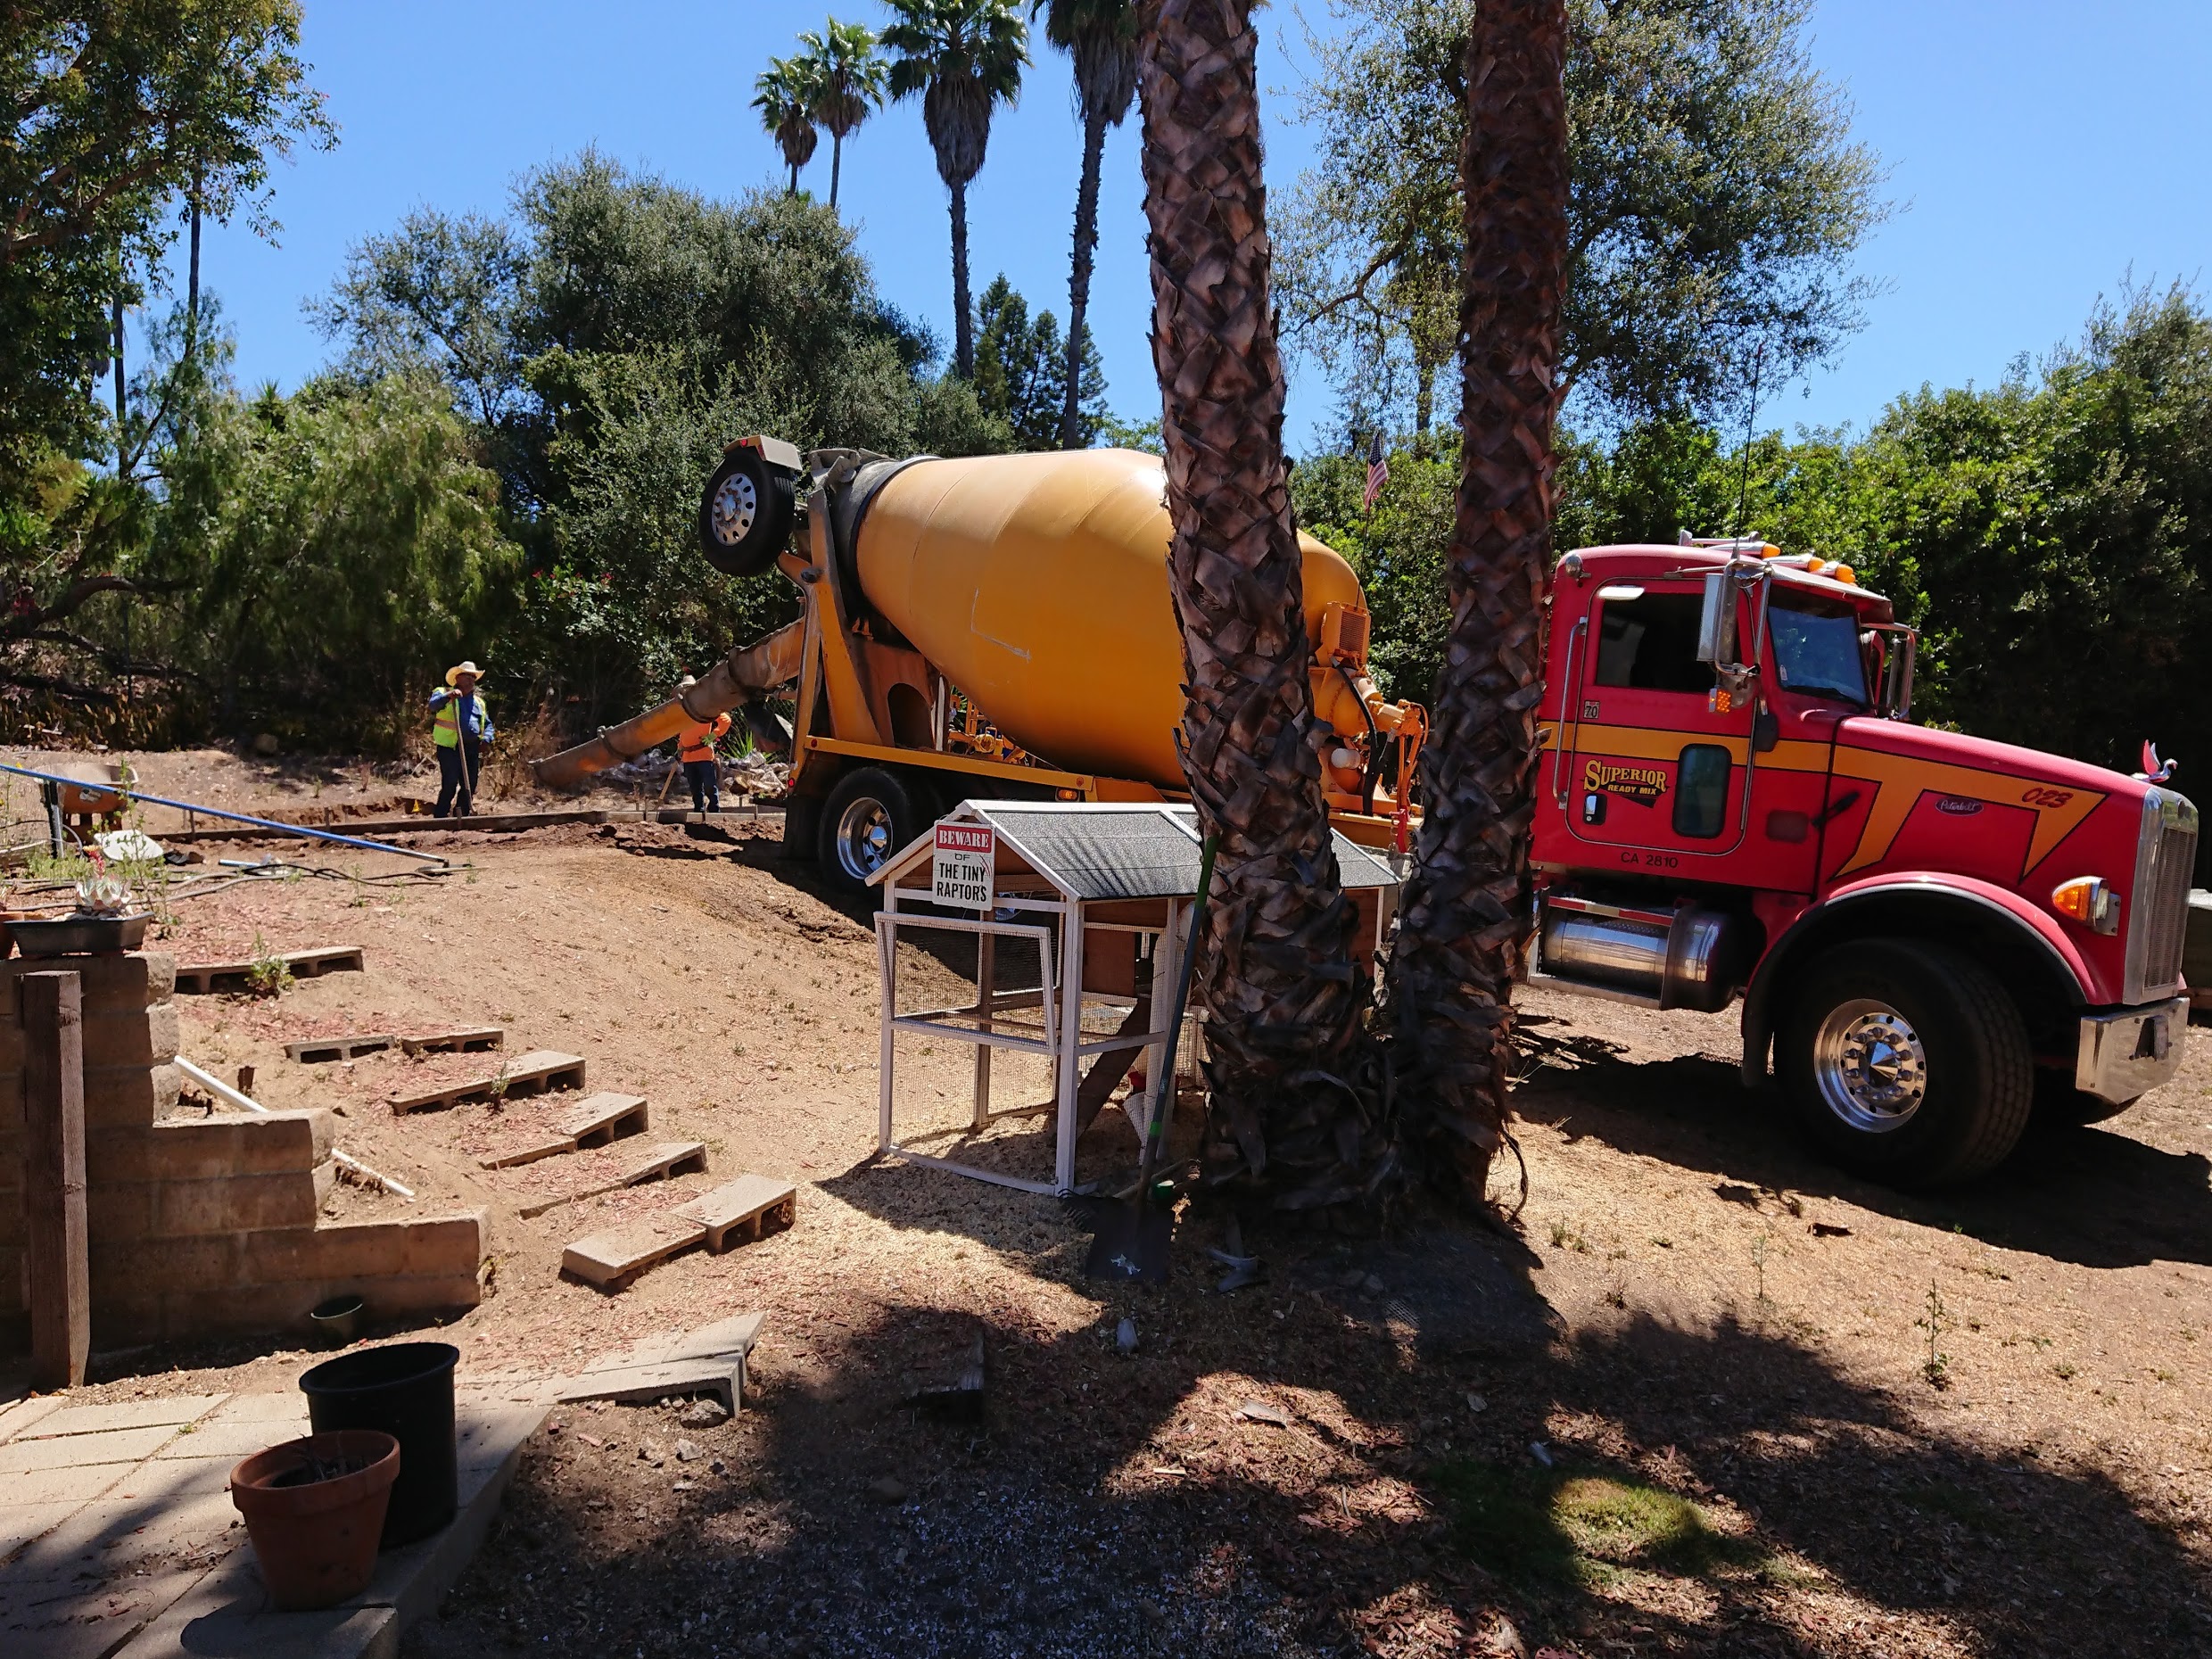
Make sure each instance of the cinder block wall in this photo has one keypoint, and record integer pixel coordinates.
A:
(201, 1225)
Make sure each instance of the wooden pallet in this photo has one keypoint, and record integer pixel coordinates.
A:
(612, 1259)
(203, 978)
(752, 1203)
(536, 1072)
(661, 1161)
(593, 1121)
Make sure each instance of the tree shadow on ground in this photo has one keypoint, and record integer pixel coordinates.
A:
(913, 1196)
(1722, 1491)
(2096, 1197)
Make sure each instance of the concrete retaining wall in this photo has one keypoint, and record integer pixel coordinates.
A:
(203, 1225)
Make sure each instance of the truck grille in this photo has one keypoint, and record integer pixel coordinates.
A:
(2164, 858)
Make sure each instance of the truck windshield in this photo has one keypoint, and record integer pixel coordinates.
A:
(1816, 645)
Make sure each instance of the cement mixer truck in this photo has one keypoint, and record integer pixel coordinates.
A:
(998, 625)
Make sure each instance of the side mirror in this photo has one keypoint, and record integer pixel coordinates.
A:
(1716, 626)
(1904, 646)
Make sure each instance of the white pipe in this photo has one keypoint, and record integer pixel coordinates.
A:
(346, 1162)
(216, 1085)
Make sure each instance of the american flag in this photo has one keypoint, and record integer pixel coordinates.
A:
(1378, 471)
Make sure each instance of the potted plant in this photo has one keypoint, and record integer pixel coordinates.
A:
(314, 1509)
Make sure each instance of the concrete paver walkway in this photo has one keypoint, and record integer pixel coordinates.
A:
(117, 1536)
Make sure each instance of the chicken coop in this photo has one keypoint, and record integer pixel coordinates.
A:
(1070, 919)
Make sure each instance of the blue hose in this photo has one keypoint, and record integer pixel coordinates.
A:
(125, 793)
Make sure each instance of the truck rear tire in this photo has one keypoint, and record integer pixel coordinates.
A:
(869, 816)
(1906, 1063)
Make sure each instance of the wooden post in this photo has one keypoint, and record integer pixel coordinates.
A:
(53, 1106)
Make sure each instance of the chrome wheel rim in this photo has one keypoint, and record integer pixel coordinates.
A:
(864, 838)
(1871, 1066)
(737, 504)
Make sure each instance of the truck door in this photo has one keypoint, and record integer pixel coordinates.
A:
(1649, 764)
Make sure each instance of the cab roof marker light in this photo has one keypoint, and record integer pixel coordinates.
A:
(2089, 900)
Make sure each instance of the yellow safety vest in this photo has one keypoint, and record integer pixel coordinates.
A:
(445, 724)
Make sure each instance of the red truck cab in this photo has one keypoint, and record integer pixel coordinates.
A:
(1930, 932)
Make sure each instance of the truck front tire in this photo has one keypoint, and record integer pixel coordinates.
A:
(869, 816)
(1905, 1062)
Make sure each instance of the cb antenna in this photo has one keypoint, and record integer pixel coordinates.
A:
(1750, 419)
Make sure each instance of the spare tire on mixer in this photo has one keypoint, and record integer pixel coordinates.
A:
(744, 516)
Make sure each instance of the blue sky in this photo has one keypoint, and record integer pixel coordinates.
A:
(2039, 151)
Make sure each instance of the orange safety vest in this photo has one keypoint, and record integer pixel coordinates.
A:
(696, 742)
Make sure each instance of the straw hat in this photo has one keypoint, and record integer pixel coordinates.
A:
(458, 669)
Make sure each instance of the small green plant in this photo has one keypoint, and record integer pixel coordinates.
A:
(1759, 1263)
(1935, 1322)
(269, 974)
(72, 866)
(2065, 1370)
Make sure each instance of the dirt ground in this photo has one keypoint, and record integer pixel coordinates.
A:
(1713, 1398)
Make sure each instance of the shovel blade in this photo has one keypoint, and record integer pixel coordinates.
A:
(1131, 1243)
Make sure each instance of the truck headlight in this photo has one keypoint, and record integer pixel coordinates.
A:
(2088, 899)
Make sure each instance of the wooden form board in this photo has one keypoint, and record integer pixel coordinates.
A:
(501, 823)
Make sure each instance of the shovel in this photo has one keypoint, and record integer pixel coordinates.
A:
(1132, 1241)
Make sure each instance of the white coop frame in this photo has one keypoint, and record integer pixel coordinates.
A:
(1066, 872)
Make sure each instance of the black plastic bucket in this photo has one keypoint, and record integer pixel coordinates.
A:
(406, 1390)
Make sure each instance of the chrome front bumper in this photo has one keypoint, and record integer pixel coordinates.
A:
(2130, 1052)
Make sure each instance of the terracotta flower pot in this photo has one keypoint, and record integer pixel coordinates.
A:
(314, 1508)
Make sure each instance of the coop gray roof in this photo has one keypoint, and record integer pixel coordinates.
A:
(1116, 851)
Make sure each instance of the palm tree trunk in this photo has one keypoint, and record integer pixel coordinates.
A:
(794, 188)
(192, 286)
(122, 383)
(1079, 276)
(1465, 916)
(1282, 994)
(836, 165)
(963, 317)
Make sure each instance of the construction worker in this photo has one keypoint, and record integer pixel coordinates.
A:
(695, 747)
(460, 726)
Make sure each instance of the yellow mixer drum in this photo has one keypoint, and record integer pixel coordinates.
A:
(1038, 585)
